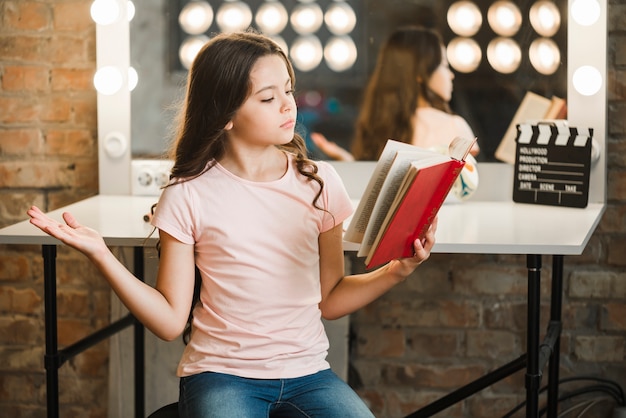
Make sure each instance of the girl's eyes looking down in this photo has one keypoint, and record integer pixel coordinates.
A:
(289, 92)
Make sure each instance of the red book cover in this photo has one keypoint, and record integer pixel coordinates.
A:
(414, 212)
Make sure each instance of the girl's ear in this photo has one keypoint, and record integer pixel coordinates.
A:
(228, 126)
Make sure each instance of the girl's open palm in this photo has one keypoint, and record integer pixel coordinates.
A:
(82, 238)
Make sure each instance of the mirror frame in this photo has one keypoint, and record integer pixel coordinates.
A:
(586, 45)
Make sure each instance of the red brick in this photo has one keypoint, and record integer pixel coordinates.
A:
(22, 359)
(72, 79)
(20, 330)
(18, 110)
(70, 16)
(599, 348)
(429, 344)
(26, 78)
(70, 142)
(19, 301)
(381, 343)
(14, 267)
(613, 317)
(492, 344)
(430, 376)
(617, 184)
(616, 250)
(36, 174)
(27, 15)
(20, 141)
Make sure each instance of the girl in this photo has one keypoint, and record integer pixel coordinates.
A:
(407, 99)
(263, 226)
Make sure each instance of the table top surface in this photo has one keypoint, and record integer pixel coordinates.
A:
(480, 227)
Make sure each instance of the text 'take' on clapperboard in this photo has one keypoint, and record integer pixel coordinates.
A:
(552, 164)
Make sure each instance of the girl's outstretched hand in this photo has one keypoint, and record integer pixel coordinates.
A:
(406, 266)
(82, 238)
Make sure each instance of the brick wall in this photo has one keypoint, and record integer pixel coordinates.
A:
(459, 317)
(48, 157)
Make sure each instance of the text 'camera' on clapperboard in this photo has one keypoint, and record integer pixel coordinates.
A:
(552, 164)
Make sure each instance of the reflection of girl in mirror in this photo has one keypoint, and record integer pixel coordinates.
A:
(407, 99)
(263, 227)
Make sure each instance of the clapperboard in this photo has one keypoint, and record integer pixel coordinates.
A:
(552, 164)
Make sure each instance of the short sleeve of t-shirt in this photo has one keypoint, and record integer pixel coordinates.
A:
(336, 199)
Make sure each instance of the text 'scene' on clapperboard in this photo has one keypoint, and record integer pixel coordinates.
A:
(552, 165)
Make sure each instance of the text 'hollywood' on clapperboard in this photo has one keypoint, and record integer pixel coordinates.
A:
(552, 164)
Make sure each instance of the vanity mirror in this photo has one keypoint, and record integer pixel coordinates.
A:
(489, 111)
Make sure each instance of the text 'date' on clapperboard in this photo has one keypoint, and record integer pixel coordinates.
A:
(552, 164)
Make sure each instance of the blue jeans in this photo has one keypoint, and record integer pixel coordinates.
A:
(217, 395)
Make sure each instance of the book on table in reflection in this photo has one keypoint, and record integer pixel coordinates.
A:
(402, 198)
(532, 107)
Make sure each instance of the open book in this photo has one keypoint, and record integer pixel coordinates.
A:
(408, 186)
(532, 107)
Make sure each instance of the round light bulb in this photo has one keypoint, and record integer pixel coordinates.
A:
(464, 18)
(306, 18)
(585, 12)
(464, 54)
(234, 16)
(587, 80)
(544, 56)
(545, 18)
(340, 53)
(504, 17)
(190, 48)
(340, 18)
(504, 55)
(196, 17)
(133, 78)
(306, 52)
(272, 17)
(105, 12)
(108, 80)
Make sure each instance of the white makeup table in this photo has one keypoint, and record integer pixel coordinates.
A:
(478, 226)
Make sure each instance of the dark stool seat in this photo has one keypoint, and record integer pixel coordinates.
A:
(167, 411)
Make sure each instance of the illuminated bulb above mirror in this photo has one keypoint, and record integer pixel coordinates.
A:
(190, 48)
(105, 12)
(504, 17)
(504, 55)
(234, 16)
(464, 54)
(544, 56)
(340, 53)
(306, 53)
(340, 18)
(585, 12)
(272, 17)
(307, 18)
(587, 80)
(464, 18)
(196, 17)
(108, 80)
(545, 18)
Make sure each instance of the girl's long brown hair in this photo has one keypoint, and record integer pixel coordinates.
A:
(218, 84)
(403, 69)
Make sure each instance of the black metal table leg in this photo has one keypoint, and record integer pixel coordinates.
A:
(556, 300)
(138, 333)
(533, 374)
(51, 358)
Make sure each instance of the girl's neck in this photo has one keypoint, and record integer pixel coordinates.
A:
(422, 102)
(267, 166)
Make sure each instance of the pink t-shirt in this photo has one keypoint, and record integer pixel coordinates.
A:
(435, 129)
(256, 246)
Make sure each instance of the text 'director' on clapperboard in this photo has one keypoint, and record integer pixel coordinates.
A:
(552, 164)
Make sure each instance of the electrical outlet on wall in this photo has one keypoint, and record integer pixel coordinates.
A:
(149, 176)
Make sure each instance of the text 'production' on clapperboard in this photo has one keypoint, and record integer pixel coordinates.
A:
(552, 164)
